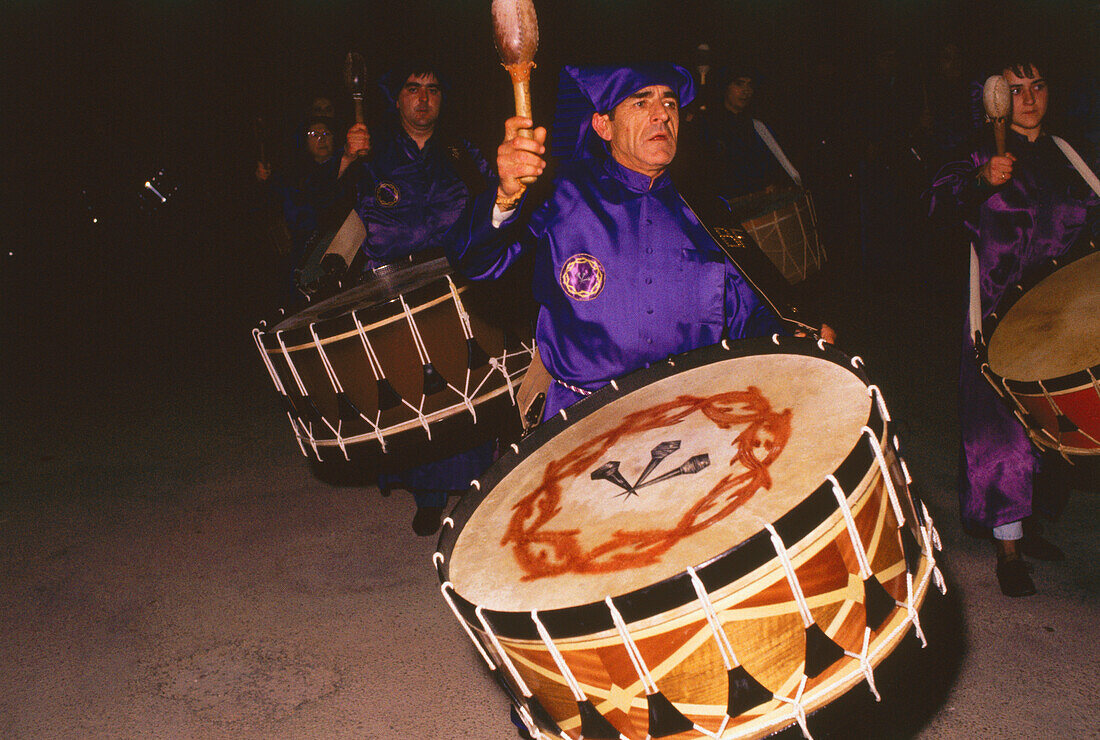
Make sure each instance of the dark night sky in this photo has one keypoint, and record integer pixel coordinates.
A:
(100, 95)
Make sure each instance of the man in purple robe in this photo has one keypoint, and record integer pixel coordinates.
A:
(1021, 209)
(624, 272)
(410, 191)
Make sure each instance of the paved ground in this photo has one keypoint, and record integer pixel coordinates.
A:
(170, 568)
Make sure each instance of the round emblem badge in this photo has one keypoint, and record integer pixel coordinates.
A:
(387, 194)
(582, 277)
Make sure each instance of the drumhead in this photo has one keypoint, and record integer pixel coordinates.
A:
(754, 205)
(1053, 330)
(384, 285)
(734, 441)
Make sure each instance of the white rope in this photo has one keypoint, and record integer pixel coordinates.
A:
(857, 361)
(418, 341)
(853, 534)
(865, 662)
(905, 469)
(798, 711)
(729, 658)
(469, 632)
(874, 392)
(631, 649)
(503, 655)
(929, 543)
(372, 357)
(872, 438)
(290, 364)
(775, 339)
(329, 370)
(257, 336)
(463, 316)
(792, 579)
(559, 661)
(437, 559)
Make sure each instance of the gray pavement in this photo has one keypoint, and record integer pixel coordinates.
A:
(170, 568)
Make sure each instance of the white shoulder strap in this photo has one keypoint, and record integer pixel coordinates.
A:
(1078, 163)
(974, 314)
(766, 136)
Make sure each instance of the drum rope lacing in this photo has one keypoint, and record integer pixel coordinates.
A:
(378, 373)
(631, 649)
(792, 579)
(520, 683)
(559, 661)
(865, 571)
(337, 388)
(256, 335)
(306, 425)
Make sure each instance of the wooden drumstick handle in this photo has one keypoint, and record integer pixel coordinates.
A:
(520, 72)
(999, 135)
(359, 117)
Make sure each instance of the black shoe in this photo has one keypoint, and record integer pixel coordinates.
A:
(427, 520)
(1014, 579)
(1035, 546)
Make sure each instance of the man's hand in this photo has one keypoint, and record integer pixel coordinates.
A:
(826, 332)
(357, 142)
(519, 156)
(998, 170)
(263, 171)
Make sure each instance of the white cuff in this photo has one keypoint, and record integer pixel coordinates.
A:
(500, 216)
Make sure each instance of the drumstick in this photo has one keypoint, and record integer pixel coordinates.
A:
(997, 100)
(516, 33)
(355, 80)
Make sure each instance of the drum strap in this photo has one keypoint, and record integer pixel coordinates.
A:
(531, 396)
(765, 135)
(758, 270)
(1078, 163)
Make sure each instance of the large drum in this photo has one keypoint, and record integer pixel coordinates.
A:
(715, 546)
(411, 365)
(1044, 355)
(784, 225)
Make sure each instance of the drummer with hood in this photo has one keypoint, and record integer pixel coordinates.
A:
(624, 271)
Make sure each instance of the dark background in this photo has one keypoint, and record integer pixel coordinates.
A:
(100, 96)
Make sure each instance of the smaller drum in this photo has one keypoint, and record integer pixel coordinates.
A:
(1043, 354)
(714, 546)
(414, 361)
(784, 225)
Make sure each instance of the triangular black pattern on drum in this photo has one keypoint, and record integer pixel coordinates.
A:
(910, 549)
(821, 651)
(542, 717)
(593, 724)
(1066, 425)
(876, 602)
(475, 356)
(388, 397)
(664, 718)
(433, 381)
(346, 410)
(306, 409)
(745, 692)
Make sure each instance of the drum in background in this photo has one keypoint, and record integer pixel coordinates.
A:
(713, 546)
(784, 225)
(414, 361)
(1043, 354)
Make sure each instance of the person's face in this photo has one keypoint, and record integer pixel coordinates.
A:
(419, 102)
(322, 107)
(1029, 100)
(320, 142)
(738, 94)
(642, 130)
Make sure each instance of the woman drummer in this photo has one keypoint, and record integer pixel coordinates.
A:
(1021, 208)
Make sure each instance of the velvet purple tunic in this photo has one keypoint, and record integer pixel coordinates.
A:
(625, 275)
(1038, 214)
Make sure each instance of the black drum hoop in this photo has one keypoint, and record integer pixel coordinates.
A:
(716, 573)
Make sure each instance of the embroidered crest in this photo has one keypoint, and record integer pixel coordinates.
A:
(582, 277)
(387, 194)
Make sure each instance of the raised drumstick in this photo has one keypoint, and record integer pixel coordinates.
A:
(997, 100)
(516, 33)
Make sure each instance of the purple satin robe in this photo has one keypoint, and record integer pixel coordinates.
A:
(625, 275)
(410, 197)
(1038, 214)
